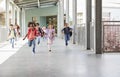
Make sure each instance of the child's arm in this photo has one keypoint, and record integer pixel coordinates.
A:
(25, 36)
(9, 32)
(53, 33)
(62, 30)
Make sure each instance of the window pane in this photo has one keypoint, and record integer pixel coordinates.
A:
(81, 11)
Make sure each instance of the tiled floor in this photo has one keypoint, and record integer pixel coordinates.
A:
(61, 62)
(6, 50)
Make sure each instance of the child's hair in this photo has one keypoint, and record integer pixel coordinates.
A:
(37, 23)
(34, 24)
(30, 24)
(66, 24)
(11, 24)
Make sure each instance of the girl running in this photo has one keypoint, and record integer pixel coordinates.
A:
(50, 36)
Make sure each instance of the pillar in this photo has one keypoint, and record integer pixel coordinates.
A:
(23, 22)
(98, 26)
(62, 13)
(60, 17)
(13, 14)
(58, 23)
(67, 11)
(18, 16)
(74, 20)
(88, 21)
(7, 13)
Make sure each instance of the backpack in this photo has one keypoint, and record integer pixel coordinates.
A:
(14, 32)
(70, 31)
(41, 31)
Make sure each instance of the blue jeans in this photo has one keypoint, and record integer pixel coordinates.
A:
(12, 42)
(32, 42)
(67, 38)
(38, 39)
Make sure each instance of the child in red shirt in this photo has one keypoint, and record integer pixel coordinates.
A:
(31, 35)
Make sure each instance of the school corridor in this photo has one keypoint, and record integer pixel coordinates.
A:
(93, 49)
(70, 61)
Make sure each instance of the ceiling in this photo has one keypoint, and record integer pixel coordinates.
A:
(35, 3)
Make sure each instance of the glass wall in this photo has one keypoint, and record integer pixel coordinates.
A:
(81, 22)
(52, 20)
(81, 11)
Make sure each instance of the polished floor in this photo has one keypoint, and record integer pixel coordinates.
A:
(63, 61)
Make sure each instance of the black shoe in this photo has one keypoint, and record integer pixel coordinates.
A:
(12, 46)
(49, 50)
(66, 44)
(33, 51)
(38, 43)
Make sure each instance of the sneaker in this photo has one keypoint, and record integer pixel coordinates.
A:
(38, 43)
(66, 44)
(12, 46)
(15, 43)
(49, 50)
(33, 51)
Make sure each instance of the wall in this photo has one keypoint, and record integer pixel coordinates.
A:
(42, 21)
(3, 34)
(38, 12)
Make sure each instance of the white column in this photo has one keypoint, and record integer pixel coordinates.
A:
(23, 22)
(60, 17)
(18, 16)
(13, 14)
(74, 20)
(67, 11)
(62, 13)
(7, 13)
(58, 23)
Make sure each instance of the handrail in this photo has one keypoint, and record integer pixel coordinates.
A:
(110, 21)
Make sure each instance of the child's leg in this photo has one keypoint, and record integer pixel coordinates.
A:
(29, 43)
(49, 47)
(66, 40)
(34, 45)
(38, 39)
(12, 42)
(49, 44)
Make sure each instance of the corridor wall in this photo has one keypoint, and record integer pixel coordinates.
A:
(3, 34)
(40, 12)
